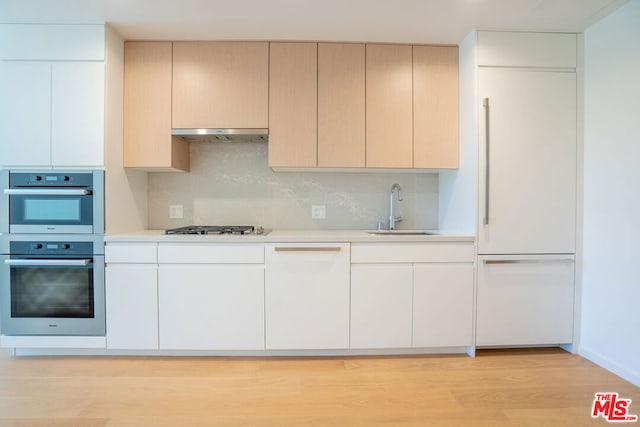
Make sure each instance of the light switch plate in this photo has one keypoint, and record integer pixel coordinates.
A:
(318, 212)
(176, 211)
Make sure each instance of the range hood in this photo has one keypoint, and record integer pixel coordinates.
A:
(223, 135)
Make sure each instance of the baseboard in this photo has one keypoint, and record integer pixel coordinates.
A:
(600, 360)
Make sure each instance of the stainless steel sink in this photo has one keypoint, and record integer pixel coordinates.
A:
(403, 233)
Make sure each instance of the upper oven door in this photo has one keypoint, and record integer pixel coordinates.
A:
(52, 203)
(49, 210)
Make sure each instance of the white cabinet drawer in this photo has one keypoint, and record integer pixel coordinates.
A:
(411, 252)
(131, 253)
(514, 49)
(525, 300)
(52, 42)
(211, 253)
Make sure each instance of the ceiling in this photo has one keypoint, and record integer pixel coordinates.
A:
(407, 21)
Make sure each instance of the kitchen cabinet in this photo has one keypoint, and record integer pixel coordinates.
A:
(52, 108)
(381, 305)
(211, 307)
(389, 106)
(148, 143)
(443, 305)
(131, 296)
(77, 114)
(525, 300)
(25, 122)
(57, 114)
(213, 300)
(293, 104)
(407, 295)
(307, 296)
(220, 85)
(341, 105)
(435, 107)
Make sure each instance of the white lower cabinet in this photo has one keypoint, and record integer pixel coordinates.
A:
(525, 300)
(406, 295)
(211, 307)
(131, 297)
(307, 296)
(381, 305)
(443, 305)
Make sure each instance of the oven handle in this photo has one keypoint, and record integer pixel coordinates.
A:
(49, 262)
(46, 192)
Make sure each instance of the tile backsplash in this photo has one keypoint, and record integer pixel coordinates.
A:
(231, 184)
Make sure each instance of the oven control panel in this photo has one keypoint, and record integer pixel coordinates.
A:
(51, 248)
(50, 179)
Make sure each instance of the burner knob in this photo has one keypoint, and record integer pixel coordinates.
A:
(66, 246)
(38, 246)
(66, 178)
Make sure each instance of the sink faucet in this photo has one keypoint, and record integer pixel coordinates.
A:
(392, 218)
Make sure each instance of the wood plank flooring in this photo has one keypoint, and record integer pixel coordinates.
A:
(541, 387)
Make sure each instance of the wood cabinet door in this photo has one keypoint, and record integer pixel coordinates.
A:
(220, 84)
(77, 114)
(147, 109)
(435, 107)
(341, 105)
(293, 104)
(527, 197)
(381, 305)
(389, 106)
(25, 114)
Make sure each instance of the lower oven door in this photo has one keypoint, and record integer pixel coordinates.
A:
(52, 296)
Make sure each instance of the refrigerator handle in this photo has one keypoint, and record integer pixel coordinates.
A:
(487, 163)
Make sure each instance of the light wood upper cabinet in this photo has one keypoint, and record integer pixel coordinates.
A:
(293, 104)
(389, 106)
(341, 105)
(220, 84)
(148, 143)
(435, 107)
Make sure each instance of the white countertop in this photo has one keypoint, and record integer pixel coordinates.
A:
(282, 236)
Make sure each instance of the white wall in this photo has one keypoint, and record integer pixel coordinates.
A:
(125, 190)
(457, 189)
(610, 333)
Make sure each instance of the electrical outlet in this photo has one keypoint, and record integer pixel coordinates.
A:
(318, 212)
(176, 211)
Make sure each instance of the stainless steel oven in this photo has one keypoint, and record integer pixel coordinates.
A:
(52, 285)
(52, 202)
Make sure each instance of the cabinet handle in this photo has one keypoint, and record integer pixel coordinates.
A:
(308, 249)
(48, 262)
(46, 192)
(485, 104)
(528, 261)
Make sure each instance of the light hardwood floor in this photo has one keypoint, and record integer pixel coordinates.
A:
(543, 387)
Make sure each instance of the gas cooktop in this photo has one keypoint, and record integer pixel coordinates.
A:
(216, 229)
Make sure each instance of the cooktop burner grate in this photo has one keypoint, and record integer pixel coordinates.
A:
(215, 229)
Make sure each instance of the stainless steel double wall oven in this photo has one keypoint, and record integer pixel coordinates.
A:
(52, 253)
